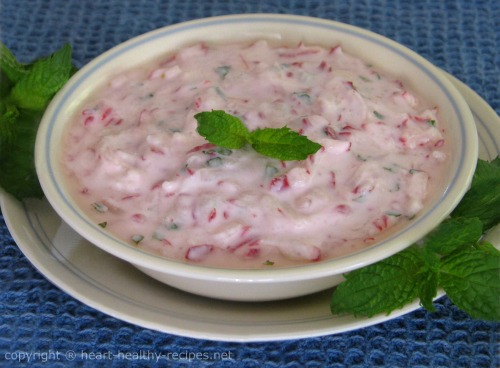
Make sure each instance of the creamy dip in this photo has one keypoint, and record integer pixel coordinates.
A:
(139, 169)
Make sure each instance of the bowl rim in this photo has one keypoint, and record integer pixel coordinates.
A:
(45, 165)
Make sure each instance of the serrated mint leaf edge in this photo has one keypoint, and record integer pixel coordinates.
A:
(282, 143)
(439, 240)
(13, 69)
(409, 256)
(45, 77)
(457, 285)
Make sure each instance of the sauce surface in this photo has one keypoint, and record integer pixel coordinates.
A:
(137, 166)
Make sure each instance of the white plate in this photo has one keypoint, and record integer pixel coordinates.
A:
(118, 289)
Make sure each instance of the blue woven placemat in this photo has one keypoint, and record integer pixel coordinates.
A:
(460, 36)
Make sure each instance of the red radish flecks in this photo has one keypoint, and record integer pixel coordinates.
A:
(343, 209)
(106, 113)
(166, 242)
(381, 223)
(130, 196)
(439, 143)
(138, 218)
(252, 252)
(280, 183)
(333, 179)
(344, 134)
(245, 230)
(157, 150)
(212, 214)
(322, 65)
(251, 242)
(334, 49)
(350, 84)
(363, 188)
(293, 54)
(198, 102)
(245, 63)
(202, 147)
(88, 120)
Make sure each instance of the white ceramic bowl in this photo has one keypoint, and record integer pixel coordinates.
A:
(264, 284)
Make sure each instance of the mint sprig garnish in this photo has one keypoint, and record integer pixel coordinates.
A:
(25, 91)
(228, 131)
(453, 257)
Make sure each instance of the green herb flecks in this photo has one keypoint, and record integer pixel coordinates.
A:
(100, 207)
(270, 171)
(223, 71)
(215, 162)
(137, 238)
(303, 97)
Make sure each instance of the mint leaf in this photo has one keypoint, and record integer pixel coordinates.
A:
(35, 89)
(465, 231)
(427, 289)
(8, 121)
(222, 129)
(283, 144)
(17, 162)
(483, 198)
(5, 87)
(26, 90)
(471, 279)
(228, 131)
(11, 68)
(381, 287)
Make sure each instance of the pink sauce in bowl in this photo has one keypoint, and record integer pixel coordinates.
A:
(137, 166)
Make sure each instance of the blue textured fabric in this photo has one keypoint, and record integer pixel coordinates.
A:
(460, 36)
